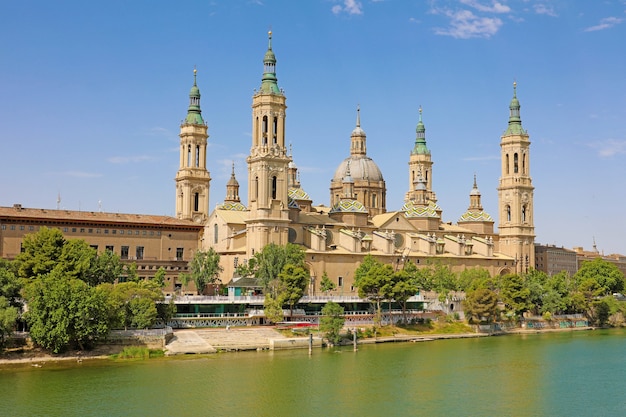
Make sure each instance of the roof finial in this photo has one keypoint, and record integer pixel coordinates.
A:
(269, 35)
(514, 87)
(475, 185)
(233, 169)
(358, 115)
(290, 150)
(195, 72)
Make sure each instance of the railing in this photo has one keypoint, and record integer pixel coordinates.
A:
(259, 299)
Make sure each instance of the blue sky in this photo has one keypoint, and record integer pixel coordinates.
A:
(92, 94)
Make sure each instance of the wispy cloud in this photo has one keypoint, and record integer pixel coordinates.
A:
(129, 159)
(610, 147)
(495, 7)
(464, 25)
(159, 131)
(544, 9)
(606, 23)
(349, 7)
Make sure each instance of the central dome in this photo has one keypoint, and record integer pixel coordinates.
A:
(361, 168)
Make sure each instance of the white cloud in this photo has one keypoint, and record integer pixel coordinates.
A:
(544, 9)
(610, 147)
(465, 24)
(129, 159)
(496, 7)
(606, 23)
(349, 7)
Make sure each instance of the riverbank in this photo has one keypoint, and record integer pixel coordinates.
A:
(208, 341)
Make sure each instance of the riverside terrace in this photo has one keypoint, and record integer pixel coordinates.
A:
(222, 311)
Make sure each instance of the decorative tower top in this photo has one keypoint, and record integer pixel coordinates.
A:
(475, 203)
(194, 114)
(515, 120)
(358, 137)
(420, 147)
(269, 82)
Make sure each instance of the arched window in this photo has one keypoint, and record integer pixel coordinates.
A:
(215, 233)
(524, 213)
(264, 133)
(188, 155)
(274, 181)
(515, 163)
(508, 213)
(507, 164)
(196, 202)
(373, 200)
(524, 164)
(197, 156)
(256, 188)
(275, 130)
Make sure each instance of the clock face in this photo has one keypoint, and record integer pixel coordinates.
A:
(197, 218)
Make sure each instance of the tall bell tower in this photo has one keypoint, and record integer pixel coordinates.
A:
(515, 193)
(193, 179)
(268, 163)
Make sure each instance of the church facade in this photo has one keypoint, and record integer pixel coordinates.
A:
(356, 223)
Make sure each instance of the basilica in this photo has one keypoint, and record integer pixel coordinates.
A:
(337, 236)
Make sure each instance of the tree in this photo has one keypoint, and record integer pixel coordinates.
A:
(8, 318)
(273, 309)
(9, 300)
(205, 268)
(294, 280)
(40, 252)
(326, 285)
(514, 294)
(373, 284)
(606, 274)
(481, 304)
(332, 321)
(269, 263)
(401, 289)
(64, 312)
(471, 278)
(159, 277)
(134, 303)
(106, 267)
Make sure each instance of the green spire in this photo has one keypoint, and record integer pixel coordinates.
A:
(515, 121)
(269, 82)
(194, 114)
(420, 147)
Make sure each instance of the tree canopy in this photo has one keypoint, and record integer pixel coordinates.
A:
(205, 269)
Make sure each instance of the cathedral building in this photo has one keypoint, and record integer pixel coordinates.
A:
(336, 237)
(356, 222)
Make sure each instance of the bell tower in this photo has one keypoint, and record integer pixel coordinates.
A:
(420, 164)
(193, 179)
(515, 193)
(268, 163)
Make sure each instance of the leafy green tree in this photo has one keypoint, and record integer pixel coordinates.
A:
(608, 277)
(76, 259)
(326, 285)
(374, 283)
(294, 280)
(205, 268)
(8, 318)
(106, 267)
(273, 309)
(471, 278)
(536, 282)
(332, 321)
(9, 283)
(41, 252)
(400, 289)
(128, 310)
(481, 304)
(514, 294)
(130, 271)
(269, 263)
(602, 311)
(64, 312)
(159, 277)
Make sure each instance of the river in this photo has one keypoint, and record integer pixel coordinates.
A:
(554, 374)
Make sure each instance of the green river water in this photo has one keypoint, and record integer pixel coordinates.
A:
(557, 374)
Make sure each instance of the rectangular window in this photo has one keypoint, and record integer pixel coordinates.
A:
(113, 231)
(73, 230)
(151, 232)
(98, 231)
(121, 232)
(4, 227)
(139, 252)
(136, 232)
(65, 229)
(82, 230)
(124, 252)
(109, 248)
(21, 227)
(179, 254)
(94, 247)
(31, 228)
(106, 231)
(145, 233)
(340, 281)
(12, 227)
(236, 261)
(90, 231)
